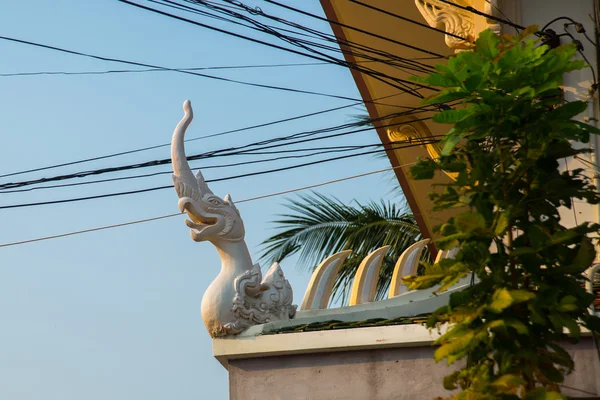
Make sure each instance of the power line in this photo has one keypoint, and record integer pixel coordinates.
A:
(304, 31)
(355, 29)
(412, 21)
(83, 174)
(309, 31)
(488, 16)
(324, 150)
(126, 71)
(266, 144)
(340, 43)
(177, 214)
(219, 78)
(204, 167)
(499, 10)
(187, 140)
(162, 69)
(262, 125)
(77, 199)
(320, 56)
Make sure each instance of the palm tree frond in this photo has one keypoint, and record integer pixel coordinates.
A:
(319, 226)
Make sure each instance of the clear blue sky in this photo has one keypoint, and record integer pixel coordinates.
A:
(115, 314)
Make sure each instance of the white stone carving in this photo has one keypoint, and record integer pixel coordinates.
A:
(365, 281)
(458, 21)
(407, 264)
(321, 282)
(238, 297)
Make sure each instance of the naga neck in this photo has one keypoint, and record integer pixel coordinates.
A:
(234, 254)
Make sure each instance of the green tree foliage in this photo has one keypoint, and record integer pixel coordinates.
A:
(509, 135)
(319, 226)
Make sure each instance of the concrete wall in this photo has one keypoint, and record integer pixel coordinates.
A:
(385, 374)
(576, 84)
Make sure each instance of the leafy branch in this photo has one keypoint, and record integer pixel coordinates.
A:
(508, 137)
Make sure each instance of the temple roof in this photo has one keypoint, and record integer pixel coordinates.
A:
(398, 29)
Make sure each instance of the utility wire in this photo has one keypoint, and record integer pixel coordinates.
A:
(126, 71)
(226, 32)
(582, 54)
(155, 68)
(355, 29)
(219, 78)
(397, 83)
(303, 28)
(138, 64)
(499, 10)
(325, 150)
(187, 140)
(244, 150)
(488, 16)
(319, 56)
(339, 44)
(205, 136)
(141, 221)
(88, 55)
(300, 29)
(412, 21)
(77, 199)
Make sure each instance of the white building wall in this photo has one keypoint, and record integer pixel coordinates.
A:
(577, 84)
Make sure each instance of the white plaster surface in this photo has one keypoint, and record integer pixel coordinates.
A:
(384, 373)
(322, 341)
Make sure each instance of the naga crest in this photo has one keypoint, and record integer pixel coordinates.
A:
(458, 22)
(211, 218)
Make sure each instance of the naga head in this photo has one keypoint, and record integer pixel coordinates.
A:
(211, 218)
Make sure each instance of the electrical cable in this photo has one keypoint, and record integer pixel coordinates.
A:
(203, 137)
(71, 52)
(386, 12)
(178, 214)
(164, 161)
(498, 9)
(397, 83)
(355, 29)
(219, 78)
(301, 43)
(266, 144)
(489, 16)
(187, 140)
(582, 54)
(320, 57)
(230, 33)
(77, 199)
(578, 27)
(314, 33)
(304, 31)
(339, 43)
(204, 167)
(335, 149)
(125, 71)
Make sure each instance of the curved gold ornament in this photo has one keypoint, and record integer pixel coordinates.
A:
(402, 130)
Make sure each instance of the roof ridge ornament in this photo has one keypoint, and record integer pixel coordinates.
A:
(239, 297)
(461, 26)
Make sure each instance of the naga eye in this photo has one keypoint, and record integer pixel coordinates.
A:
(215, 202)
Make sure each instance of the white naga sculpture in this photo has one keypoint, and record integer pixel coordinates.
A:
(239, 297)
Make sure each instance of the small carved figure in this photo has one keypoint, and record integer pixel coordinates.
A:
(238, 297)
